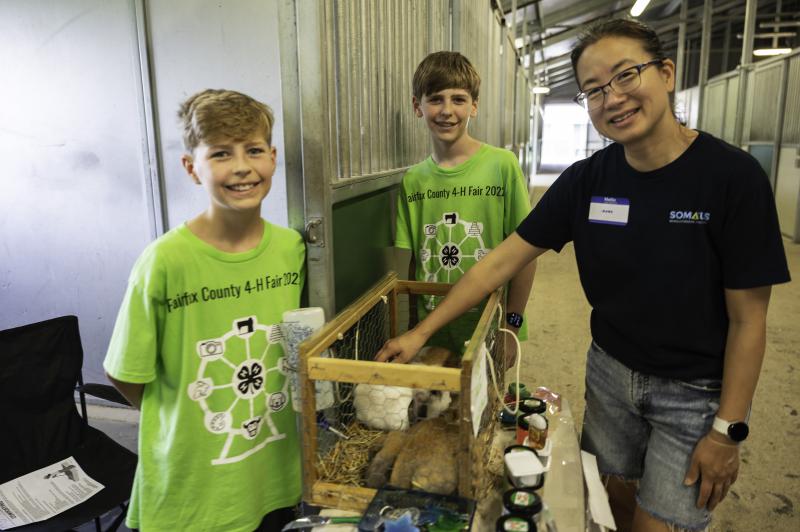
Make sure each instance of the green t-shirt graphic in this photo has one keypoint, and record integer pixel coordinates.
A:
(452, 217)
(218, 443)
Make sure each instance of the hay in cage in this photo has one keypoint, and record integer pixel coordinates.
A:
(346, 462)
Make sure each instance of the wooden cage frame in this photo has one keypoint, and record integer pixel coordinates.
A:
(314, 367)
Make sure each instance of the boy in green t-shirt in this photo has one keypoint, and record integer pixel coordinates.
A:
(197, 348)
(463, 200)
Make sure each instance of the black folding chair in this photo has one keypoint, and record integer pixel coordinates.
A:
(40, 372)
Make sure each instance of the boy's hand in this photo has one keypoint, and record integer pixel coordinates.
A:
(401, 349)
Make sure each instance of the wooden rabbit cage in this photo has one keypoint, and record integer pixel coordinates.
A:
(343, 391)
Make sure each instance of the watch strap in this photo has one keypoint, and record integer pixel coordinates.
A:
(721, 426)
(736, 431)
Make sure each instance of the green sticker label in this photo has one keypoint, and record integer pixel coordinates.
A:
(515, 524)
(522, 498)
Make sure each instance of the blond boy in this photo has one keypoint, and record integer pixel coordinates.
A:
(196, 345)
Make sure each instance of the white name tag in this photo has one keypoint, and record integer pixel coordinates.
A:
(607, 210)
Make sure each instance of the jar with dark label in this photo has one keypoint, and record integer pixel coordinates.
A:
(522, 501)
(515, 523)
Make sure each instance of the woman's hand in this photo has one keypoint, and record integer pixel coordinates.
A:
(401, 349)
(715, 461)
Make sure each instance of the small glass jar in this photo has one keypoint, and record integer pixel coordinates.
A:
(511, 396)
(537, 431)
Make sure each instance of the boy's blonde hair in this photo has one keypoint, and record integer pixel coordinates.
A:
(445, 70)
(215, 114)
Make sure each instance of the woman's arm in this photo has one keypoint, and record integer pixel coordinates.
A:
(716, 457)
(494, 270)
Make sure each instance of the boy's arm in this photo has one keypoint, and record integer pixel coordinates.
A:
(132, 392)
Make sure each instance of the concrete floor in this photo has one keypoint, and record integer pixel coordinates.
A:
(769, 481)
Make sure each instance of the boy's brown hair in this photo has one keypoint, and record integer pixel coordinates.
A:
(215, 114)
(445, 70)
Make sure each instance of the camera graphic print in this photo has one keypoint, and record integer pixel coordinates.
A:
(241, 384)
(450, 246)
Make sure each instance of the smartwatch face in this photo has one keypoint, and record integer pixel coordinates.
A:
(514, 319)
(738, 431)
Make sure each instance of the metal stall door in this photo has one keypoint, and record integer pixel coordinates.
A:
(787, 185)
(764, 88)
(350, 130)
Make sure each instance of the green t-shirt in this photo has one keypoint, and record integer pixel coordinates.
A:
(218, 442)
(452, 217)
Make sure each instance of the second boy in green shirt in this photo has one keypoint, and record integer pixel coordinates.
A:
(463, 200)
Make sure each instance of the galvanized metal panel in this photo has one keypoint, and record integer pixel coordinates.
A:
(731, 109)
(370, 73)
(791, 111)
(371, 49)
(787, 192)
(764, 110)
(74, 210)
(714, 107)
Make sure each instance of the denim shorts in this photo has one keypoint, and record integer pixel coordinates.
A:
(645, 428)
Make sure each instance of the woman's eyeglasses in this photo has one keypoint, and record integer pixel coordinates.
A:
(622, 83)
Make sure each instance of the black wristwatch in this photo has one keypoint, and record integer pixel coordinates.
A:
(514, 319)
(735, 430)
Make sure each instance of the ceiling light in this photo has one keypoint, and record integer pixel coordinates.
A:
(763, 52)
(541, 90)
(638, 7)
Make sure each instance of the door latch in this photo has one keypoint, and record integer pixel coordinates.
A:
(315, 232)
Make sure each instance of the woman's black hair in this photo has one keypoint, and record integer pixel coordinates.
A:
(630, 28)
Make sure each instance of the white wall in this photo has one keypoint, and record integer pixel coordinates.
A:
(76, 207)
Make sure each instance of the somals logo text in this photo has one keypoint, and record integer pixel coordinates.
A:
(689, 217)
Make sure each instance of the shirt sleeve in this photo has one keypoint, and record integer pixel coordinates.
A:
(132, 352)
(751, 245)
(517, 202)
(402, 220)
(550, 223)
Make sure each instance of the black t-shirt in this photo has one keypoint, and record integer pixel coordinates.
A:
(655, 250)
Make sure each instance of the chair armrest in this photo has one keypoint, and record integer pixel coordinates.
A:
(103, 391)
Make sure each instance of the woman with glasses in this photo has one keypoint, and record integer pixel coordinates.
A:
(677, 244)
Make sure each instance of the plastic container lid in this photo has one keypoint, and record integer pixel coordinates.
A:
(515, 523)
(522, 501)
(532, 406)
(537, 421)
(523, 391)
(523, 467)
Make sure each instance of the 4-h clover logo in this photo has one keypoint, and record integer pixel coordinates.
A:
(450, 258)
(238, 371)
(249, 378)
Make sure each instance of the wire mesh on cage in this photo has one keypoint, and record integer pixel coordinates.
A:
(423, 425)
